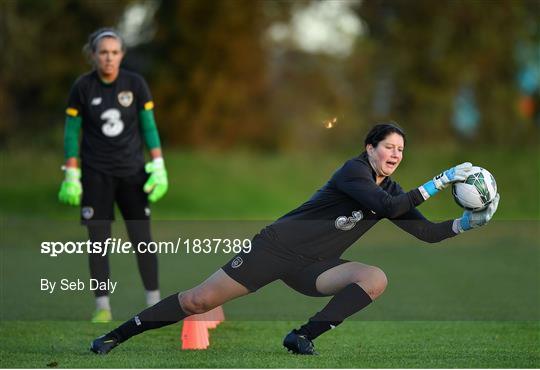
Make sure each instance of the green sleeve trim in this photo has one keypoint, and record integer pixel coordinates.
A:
(149, 129)
(72, 129)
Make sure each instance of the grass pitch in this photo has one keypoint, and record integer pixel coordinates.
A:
(471, 301)
(425, 344)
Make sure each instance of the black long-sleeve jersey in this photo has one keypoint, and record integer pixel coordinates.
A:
(345, 208)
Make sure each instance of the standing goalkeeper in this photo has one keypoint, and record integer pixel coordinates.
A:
(114, 110)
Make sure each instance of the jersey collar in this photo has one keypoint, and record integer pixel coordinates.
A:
(103, 83)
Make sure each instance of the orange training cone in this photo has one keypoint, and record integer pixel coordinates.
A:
(194, 334)
(219, 314)
(211, 318)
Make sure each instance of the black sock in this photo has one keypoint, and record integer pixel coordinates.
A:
(166, 312)
(344, 304)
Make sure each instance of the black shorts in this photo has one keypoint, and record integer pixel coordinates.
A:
(267, 262)
(101, 191)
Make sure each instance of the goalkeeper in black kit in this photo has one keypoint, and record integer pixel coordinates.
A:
(113, 108)
(304, 247)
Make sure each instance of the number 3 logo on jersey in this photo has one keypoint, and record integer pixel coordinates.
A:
(113, 125)
(348, 223)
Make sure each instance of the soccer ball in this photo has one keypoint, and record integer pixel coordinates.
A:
(477, 191)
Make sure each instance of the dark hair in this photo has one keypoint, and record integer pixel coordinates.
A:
(91, 46)
(380, 131)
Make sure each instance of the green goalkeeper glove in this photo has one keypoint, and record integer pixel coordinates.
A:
(156, 185)
(71, 189)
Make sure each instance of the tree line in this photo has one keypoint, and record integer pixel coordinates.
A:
(219, 81)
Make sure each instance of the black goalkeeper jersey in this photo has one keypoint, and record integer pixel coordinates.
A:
(111, 135)
(348, 206)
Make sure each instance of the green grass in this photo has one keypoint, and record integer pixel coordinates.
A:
(245, 185)
(470, 301)
(235, 344)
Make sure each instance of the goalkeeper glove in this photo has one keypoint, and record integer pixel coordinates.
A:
(71, 189)
(474, 219)
(156, 185)
(441, 181)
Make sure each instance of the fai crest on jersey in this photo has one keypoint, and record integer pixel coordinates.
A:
(347, 223)
(237, 262)
(125, 98)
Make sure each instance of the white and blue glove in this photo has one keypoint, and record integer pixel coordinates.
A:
(441, 181)
(473, 219)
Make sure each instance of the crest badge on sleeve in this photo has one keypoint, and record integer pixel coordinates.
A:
(125, 98)
(237, 262)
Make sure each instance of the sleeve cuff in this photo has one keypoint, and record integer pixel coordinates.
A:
(456, 226)
(424, 193)
(428, 189)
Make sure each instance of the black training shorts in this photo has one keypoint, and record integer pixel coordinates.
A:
(101, 191)
(267, 262)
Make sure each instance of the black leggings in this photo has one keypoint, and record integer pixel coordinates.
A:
(138, 231)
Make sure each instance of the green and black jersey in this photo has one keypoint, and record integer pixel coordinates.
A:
(114, 119)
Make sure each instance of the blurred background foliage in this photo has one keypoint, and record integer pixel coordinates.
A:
(273, 75)
(263, 100)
